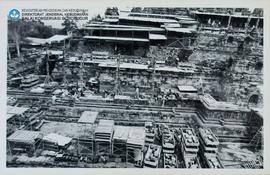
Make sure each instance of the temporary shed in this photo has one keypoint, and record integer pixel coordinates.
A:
(54, 141)
(120, 139)
(24, 141)
(103, 137)
(57, 38)
(135, 143)
(16, 110)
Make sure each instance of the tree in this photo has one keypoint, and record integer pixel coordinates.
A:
(17, 31)
(112, 11)
(258, 11)
(14, 33)
(69, 26)
(40, 30)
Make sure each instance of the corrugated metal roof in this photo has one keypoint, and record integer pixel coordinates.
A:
(73, 130)
(157, 37)
(145, 67)
(56, 138)
(136, 136)
(16, 110)
(122, 97)
(121, 29)
(227, 14)
(112, 26)
(124, 65)
(110, 20)
(180, 30)
(104, 129)
(42, 41)
(106, 122)
(152, 19)
(57, 38)
(36, 41)
(53, 52)
(88, 117)
(100, 53)
(9, 116)
(121, 132)
(116, 38)
(24, 136)
(187, 88)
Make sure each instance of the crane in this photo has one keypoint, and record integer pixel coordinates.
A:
(117, 89)
(65, 82)
(48, 77)
(81, 81)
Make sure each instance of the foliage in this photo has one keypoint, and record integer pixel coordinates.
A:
(39, 30)
(19, 30)
(69, 26)
(112, 11)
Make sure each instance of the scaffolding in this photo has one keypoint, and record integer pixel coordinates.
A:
(48, 77)
(55, 142)
(16, 116)
(24, 141)
(120, 141)
(81, 83)
(117, 88)
(135, 146)
(154, 75)
(65, 81)
(180, 42)
(86, 140)
(103, 137)
(86, 137)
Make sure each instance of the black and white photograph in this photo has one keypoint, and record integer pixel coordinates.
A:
(135, 87)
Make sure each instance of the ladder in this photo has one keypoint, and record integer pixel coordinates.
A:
(256, 139)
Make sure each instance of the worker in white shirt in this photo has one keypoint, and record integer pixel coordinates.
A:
(53, 99)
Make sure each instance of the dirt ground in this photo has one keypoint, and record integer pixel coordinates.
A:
(234, 154)
(72, 130)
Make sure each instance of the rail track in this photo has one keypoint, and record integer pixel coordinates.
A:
(109, 106)
(27, 95)
(102, 105)
(136, 107)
